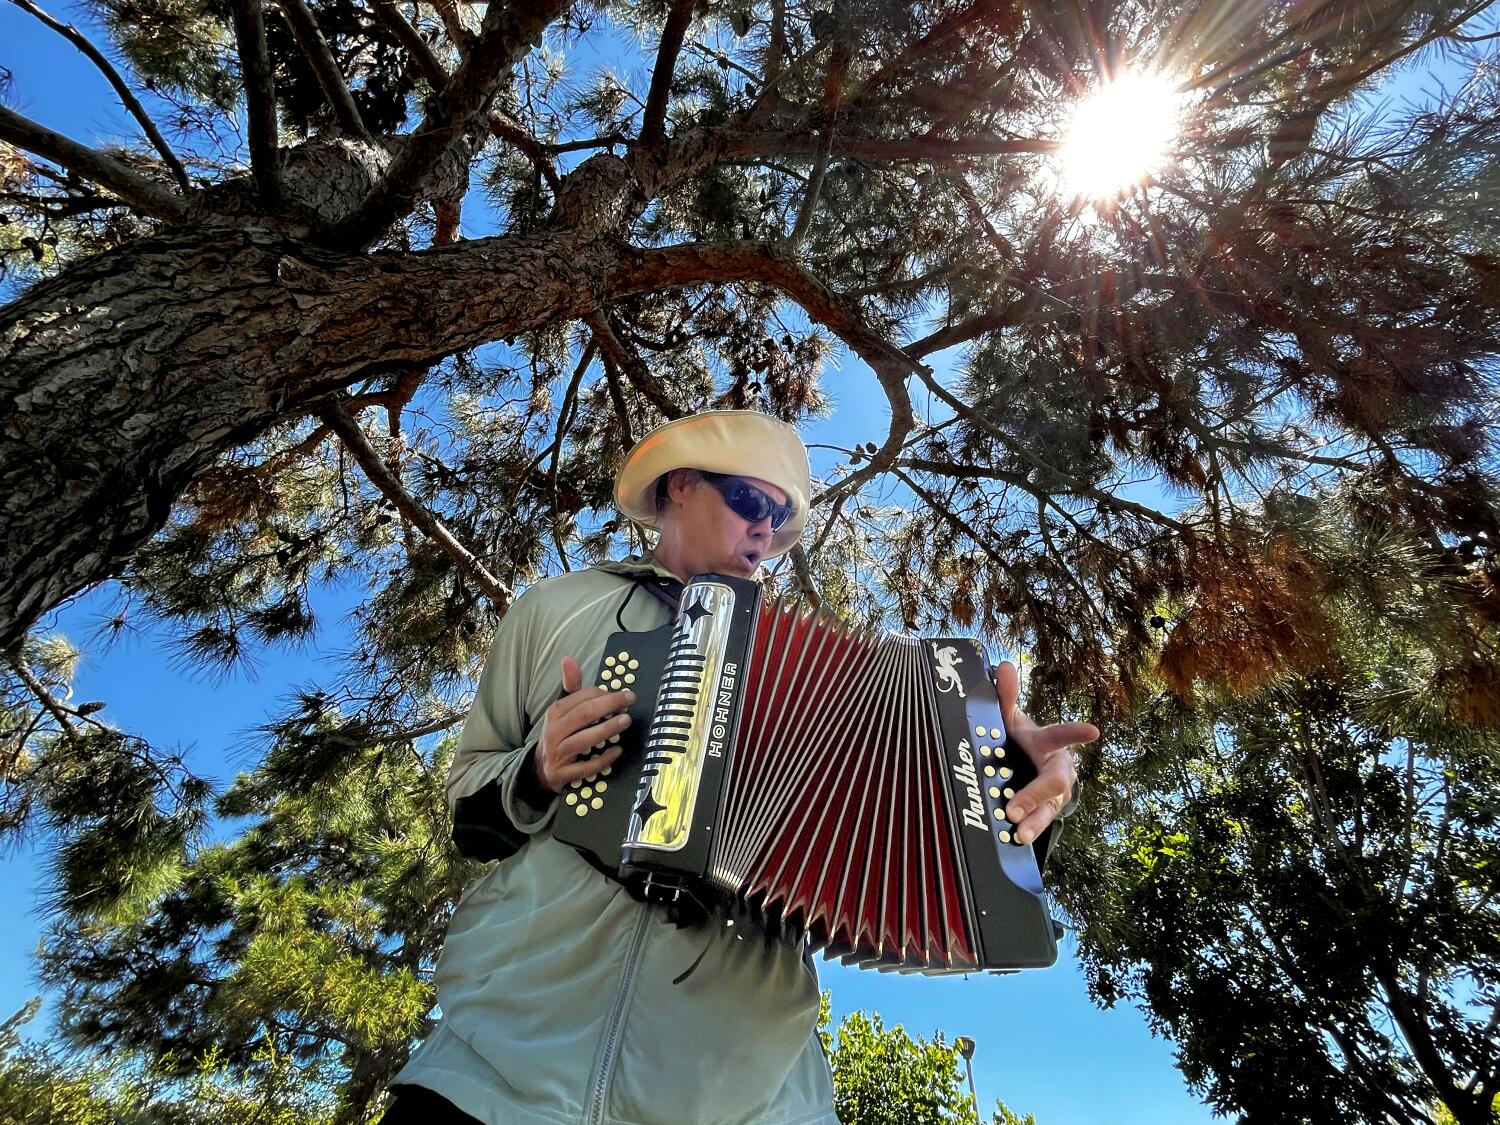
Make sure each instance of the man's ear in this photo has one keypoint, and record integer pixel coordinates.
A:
(678, 482)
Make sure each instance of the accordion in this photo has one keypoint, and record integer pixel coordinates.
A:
(846, 783)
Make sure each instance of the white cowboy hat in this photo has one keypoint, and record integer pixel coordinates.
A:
(743, 443)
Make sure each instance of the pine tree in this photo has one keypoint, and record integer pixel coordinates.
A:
(196, 374)
(1300, 884)
(232, 383)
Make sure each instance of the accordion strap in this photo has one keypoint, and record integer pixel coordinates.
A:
(668, 591)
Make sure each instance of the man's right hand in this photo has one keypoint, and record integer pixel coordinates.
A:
(582, 718)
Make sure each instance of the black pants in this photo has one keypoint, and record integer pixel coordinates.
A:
(417, 1105)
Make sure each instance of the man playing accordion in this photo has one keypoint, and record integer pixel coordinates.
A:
(564, 998)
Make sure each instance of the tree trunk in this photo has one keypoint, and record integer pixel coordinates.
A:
(130, 374)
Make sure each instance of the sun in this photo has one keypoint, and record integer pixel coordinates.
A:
(1119, 134)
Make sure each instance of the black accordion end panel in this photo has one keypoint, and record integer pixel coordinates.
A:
(847, 783)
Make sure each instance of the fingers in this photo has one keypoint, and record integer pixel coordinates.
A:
(1037, 805)
(587, 769)
(572, 675)
(582, 741)
(1045, 741)
(1008, 687)
(584, 706)
(574, 725)
(583, 718)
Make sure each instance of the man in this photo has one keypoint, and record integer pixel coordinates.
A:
(565, 1000)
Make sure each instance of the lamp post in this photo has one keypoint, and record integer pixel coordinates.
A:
(966, 1047)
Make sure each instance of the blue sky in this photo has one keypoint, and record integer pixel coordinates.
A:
(1043, 1047)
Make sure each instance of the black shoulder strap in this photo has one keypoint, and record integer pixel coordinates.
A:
(668, 591)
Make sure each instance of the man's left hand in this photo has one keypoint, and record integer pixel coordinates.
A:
(1050, 749)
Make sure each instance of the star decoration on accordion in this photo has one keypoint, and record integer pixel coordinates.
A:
(647, 808)
(694, 613)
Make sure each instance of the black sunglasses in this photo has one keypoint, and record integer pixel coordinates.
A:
(747, 501)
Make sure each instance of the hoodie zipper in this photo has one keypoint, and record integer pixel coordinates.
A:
(612, 1028)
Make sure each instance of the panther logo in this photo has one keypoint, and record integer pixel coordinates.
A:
(947, 672)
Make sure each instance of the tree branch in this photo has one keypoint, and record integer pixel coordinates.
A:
(617, 398)
(696, 263)
(128, 99)
(141, 193)
(325, 67)
(338, 419)
(833, 92)
(260, 99)
(507, 128)
(745, 143)
(653, 121)
(501, 125)
(1074, 485)
(418, 48)
(453, 22)
(504, 40)
(623, 357)
(998, 15)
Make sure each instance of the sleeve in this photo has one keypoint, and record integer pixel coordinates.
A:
(492, 790)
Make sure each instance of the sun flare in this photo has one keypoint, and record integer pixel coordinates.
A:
(1119, 134)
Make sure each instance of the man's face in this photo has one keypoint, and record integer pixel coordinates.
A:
(711, 537)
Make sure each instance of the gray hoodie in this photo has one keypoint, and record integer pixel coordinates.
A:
(555, 986)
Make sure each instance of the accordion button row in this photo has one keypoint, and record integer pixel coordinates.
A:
(578, 783)
(619, 671)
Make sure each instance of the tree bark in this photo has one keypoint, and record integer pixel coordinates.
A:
(131, 374)
(128, 376)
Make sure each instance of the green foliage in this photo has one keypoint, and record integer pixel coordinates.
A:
(290, 958)
(42, 1087)
(885, 1076)
(1302, 883)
